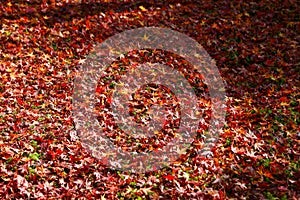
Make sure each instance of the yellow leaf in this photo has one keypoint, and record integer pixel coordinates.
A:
(142, 23)
(249, 101)
(237, 100)
(103, 197)
(284, 104)
(42, 69)
(145, 37)
(142, 8)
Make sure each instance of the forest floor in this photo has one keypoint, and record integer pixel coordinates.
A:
(256, 48)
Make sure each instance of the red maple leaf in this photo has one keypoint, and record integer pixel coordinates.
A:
(169, 177)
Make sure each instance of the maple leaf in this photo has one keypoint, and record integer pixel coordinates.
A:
(22, 183)
(169, 177)
(146, 191)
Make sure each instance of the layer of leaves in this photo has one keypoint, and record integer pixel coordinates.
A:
(256, 48)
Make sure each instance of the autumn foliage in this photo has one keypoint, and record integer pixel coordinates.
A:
(256, 49)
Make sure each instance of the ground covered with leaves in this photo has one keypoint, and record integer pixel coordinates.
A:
(256, 49)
